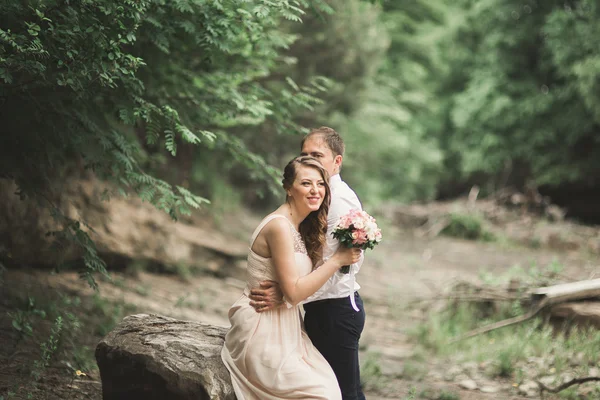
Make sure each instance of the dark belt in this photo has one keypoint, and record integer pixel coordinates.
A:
(338, 300)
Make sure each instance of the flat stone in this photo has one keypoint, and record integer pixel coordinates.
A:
(453, 372)
(468, 384)
(489, 389)
(529, 388)
(548, 380)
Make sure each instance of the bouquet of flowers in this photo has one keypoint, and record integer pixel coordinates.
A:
(357, 229)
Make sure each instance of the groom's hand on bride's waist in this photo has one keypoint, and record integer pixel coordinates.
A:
(267, 297)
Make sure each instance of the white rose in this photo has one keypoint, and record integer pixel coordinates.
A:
(358, 223)
(371, 227)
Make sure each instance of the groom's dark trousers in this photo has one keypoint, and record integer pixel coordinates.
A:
(334, 327)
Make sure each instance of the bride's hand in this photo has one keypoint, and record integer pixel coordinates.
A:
(347, 256)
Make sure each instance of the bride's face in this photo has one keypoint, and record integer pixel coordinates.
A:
(308, 190)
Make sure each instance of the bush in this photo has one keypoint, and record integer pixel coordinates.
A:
(467, 226)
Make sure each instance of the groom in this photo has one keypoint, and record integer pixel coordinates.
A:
(334, 315)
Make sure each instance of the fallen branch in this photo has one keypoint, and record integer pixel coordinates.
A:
(576, 381)
(544, 297)
(569, 291)
(503, 323)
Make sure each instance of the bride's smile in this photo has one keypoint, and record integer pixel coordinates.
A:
(307, 192)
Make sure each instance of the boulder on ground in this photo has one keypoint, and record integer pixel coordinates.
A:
(152, 357)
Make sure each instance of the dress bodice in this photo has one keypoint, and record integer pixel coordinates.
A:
(262, 268)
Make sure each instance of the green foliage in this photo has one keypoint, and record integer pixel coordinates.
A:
(109, 314)
(23, 318)
(505, 366)
(414, 371)
(370, 371)
(467, 226)
(529, 275)
(115, 87)
(520, 93)
(374, 103)
(389, 156)
(46, 322)
(48, 349)
(446, 395)
(412, 393)
(509, 348)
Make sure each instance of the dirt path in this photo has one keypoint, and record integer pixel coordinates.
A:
(401, 269)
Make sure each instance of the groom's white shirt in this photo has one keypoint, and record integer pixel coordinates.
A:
(343, 199)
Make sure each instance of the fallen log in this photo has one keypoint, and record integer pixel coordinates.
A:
(542, 298)
(585, 313)
(568, 291)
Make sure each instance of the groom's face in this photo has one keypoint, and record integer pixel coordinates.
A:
(316, 147)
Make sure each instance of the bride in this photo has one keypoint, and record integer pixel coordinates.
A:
(269, 354)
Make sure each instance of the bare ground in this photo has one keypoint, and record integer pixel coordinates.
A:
(403, 268)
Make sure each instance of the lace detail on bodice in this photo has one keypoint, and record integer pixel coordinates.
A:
(299, 245)
(261, 268)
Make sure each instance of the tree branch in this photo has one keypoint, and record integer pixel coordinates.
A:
(576, 381)
(503, 323)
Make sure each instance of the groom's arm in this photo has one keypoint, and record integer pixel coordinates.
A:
(267, 298)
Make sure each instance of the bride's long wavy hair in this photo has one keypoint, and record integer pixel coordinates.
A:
(314, 227)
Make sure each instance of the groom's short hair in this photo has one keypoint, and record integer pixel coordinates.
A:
(330, 136)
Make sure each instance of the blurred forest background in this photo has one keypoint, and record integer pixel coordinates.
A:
(198, 104)
(187, 100)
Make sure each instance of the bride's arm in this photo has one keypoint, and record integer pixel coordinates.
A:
(296, 288)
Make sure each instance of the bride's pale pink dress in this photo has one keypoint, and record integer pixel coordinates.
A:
(269, 354)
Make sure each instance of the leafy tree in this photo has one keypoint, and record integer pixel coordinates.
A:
(338, 49)
(119, 87)
(375, 58)
(390, 156)
(521, 93)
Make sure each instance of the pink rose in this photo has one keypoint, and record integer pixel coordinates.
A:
(361, 237)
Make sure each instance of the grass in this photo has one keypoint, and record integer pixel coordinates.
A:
(531, 275)
(414, 371)
(57, 332)
(107, 314)
(507, 352)
(445, 395)
(467, 226)
(434, 394)
(508, 349)
(370, 372)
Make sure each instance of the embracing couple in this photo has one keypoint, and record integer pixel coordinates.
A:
(294, 259)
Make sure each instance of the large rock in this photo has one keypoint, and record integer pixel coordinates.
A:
(151, 357)
(124, 230)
